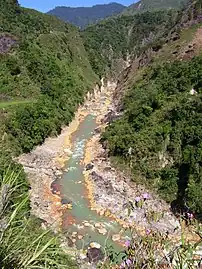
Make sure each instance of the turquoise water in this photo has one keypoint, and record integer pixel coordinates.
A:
(73, 189)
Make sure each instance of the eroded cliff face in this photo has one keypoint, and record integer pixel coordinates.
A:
(182, 42)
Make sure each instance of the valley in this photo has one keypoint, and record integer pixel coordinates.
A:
(101, 130)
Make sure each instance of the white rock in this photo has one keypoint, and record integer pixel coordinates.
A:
(95, 245)
(80, 237)
(116, 237)
(58, 173)
(68, 152)
(102, 231)
(97, 225)
(82, 256)
(80, 227)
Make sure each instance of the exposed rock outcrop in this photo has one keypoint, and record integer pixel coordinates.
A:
(6, 43)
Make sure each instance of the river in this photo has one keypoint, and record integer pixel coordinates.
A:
(86, 223)
(61, 162)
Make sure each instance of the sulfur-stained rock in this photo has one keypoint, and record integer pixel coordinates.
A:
(69, 206)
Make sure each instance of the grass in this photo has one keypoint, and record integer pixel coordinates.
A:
(13, 103)
(23, 243)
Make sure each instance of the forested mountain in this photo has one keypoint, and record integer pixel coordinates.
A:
(151, 5)
(48, 66)
(161, 122)
(123, 37)
(44, 76)
(83, 16)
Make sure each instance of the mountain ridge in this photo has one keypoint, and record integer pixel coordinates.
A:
(147, 5)
(82, 16)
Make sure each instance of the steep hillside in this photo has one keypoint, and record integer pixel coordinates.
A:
(42, 59)
(159, 135)
(83, 16)
(113, 42)
(44, 76)
(151, 5)
(156, 133)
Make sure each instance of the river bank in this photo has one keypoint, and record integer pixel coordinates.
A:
(111, 193)
(44, 165)
(109, 189)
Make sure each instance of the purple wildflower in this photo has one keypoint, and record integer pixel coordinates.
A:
(127, 243)
(128, 262)
(148, 231)
(122, 266)
(146, 196)
(190, 215)
(137, 199)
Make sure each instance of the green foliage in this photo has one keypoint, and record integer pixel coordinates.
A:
(151, 5)
(45, 74)
(162, 125)
(119, 37)
(48, 72)
(23, 243)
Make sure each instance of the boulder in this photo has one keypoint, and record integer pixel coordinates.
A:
(97, 225)
(89, 166)
(58, 173)
(97, 130)
(102, 231)
(116, 237)
(95, 255)
(80, 237)
(65, 201)
(96, 177)
(55, 187)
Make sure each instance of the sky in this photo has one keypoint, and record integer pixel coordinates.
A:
(46, 5)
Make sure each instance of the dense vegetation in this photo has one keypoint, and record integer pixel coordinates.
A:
(83, 16)
(160, 134)
(123, 36)
(148, 5)
(45, 75)
(48, 66)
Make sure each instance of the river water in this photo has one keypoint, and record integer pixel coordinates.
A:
(81, 219)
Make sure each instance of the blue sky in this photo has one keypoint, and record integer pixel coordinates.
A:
(46, 5)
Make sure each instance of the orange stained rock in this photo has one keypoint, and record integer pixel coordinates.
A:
(68, 220)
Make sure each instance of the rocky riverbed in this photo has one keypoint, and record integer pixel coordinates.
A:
(128, 203)
(44, 165)
(110, 191)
